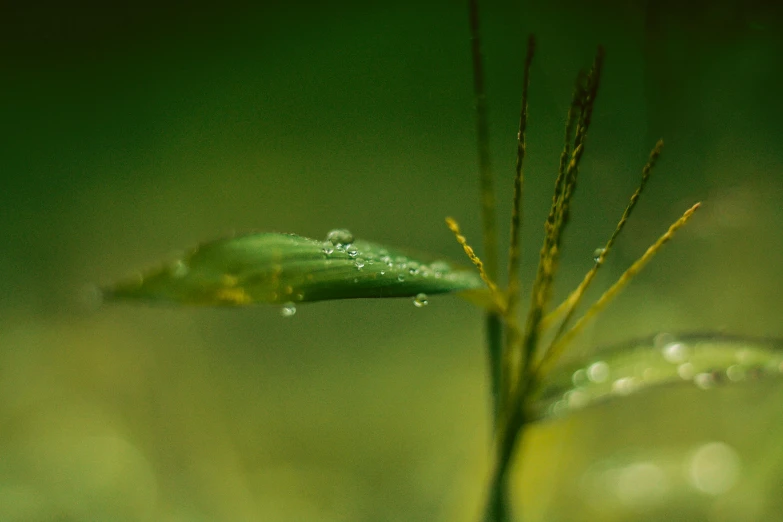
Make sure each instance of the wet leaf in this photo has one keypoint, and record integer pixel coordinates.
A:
(286, 268)
(706, 362)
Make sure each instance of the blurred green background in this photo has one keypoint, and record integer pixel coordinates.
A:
(132, 131)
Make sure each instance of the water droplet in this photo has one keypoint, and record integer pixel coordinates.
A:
(179, 268)
(743, 356)
(359, 263)
(598, 253)
(420, 300)
(559, 408)
(675, 352)
(641, 484)
(714, 468)
(383, 272)
(704, 380)
(735, 373)
(352, 251)
(579, 378)
(413, 271)
(400, 278)
(577, 398)
(288, 310)
(623, 386)
(685, 371)
(662, 339)
(598, 371)
(327, 248)
(339, 236)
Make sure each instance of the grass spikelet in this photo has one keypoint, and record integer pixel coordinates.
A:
(565, 185)
(569, 305)
(510, 357)
(493, 287)
(519, 179)
(551, 356)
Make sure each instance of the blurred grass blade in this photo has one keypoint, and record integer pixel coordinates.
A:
(706, 362)
(283, 268)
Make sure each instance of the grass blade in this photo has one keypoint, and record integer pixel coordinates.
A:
(706, 362)
(282, 268)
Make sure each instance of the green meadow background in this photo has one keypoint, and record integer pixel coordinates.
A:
(131, 132)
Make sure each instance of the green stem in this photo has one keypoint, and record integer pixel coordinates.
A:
(498, 507)
(494, 335)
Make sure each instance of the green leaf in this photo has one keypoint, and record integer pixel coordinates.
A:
(282, 268)
(706, 362)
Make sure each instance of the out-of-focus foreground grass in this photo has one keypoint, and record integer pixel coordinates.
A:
(129, 133)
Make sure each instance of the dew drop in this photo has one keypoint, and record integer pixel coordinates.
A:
(735, 373)
(559, 408)
(420, 300)
(339, 236)
(743, 356)
(359, 263)
(623, 386)
(351, 250)
(662, 339)
(579, 378)
(641, 484)
(179, 269)
(327, 248)
(685, 371)
(598, 371)
(714, 468)
(288, 310)
(675, 352)
(597, 253)
(400, 278)
(577, 399)
(704, 380)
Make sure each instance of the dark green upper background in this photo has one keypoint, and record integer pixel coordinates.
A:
(131, 131)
